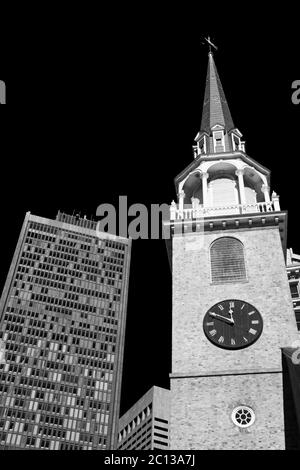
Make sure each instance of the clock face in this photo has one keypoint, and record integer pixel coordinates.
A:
(232, 324)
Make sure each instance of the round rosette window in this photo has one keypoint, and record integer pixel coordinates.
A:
(243, 416)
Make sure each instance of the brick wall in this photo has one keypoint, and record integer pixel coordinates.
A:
(193, 294)
(202, 405)
(201, 412)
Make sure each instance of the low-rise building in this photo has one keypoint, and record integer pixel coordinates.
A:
(145, 426)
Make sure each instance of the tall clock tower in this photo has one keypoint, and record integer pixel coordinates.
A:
(232, 309)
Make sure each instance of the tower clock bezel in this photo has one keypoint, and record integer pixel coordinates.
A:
(233, 332)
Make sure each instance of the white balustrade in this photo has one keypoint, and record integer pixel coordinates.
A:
(189, 213)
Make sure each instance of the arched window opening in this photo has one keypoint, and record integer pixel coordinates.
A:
(227, 260)
(222, 192)
(250, 196)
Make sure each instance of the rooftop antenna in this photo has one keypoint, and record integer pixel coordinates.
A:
(210, 44)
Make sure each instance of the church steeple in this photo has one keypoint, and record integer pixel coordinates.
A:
(217, 131)
(215, 106)
(228, 235)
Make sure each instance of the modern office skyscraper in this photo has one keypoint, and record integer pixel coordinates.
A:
(62, 327)
(145, 426)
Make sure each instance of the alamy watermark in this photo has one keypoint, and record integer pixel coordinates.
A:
(296, 93)
(135, 221)
(2, 92)
(141, 222)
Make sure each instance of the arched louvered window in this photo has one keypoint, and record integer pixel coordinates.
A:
(227, 260)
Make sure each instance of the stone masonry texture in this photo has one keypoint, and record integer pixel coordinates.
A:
(207, 382)
(201, 412)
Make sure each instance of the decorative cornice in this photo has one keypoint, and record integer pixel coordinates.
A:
(233, 222)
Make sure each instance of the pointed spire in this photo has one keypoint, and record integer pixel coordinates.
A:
(215, 106)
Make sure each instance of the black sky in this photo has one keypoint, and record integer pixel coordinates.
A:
(114, 111)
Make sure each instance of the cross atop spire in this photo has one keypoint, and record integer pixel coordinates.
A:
(210, 44)
(215, 106)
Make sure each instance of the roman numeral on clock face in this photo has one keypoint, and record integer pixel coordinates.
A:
(232, 324)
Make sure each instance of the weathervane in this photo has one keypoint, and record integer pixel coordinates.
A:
(210, 44)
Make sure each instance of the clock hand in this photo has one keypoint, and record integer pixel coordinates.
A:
(230, 320)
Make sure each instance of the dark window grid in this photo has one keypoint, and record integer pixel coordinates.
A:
(7, 378)
(294, 274)
(65, 424)
(31, 238)
(163, 436)
(137, 429)
(297, 314)
(160, 420)
(17, 349)
(33, 225)
(22, 340)
(64, 303)
(165, 444)
(40, 383)
(28, 312)
(14, 369)
(147, 444)
(13, 327)
(142, 439)
(66, 250)
(36, 332)
(30, 416)
(43, 277)
(294, 286)
(137, 436)
(30, 256)
(41, 234)
(15, 318)
(38, 282)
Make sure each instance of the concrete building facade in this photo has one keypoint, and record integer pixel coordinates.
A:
(145, 426)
